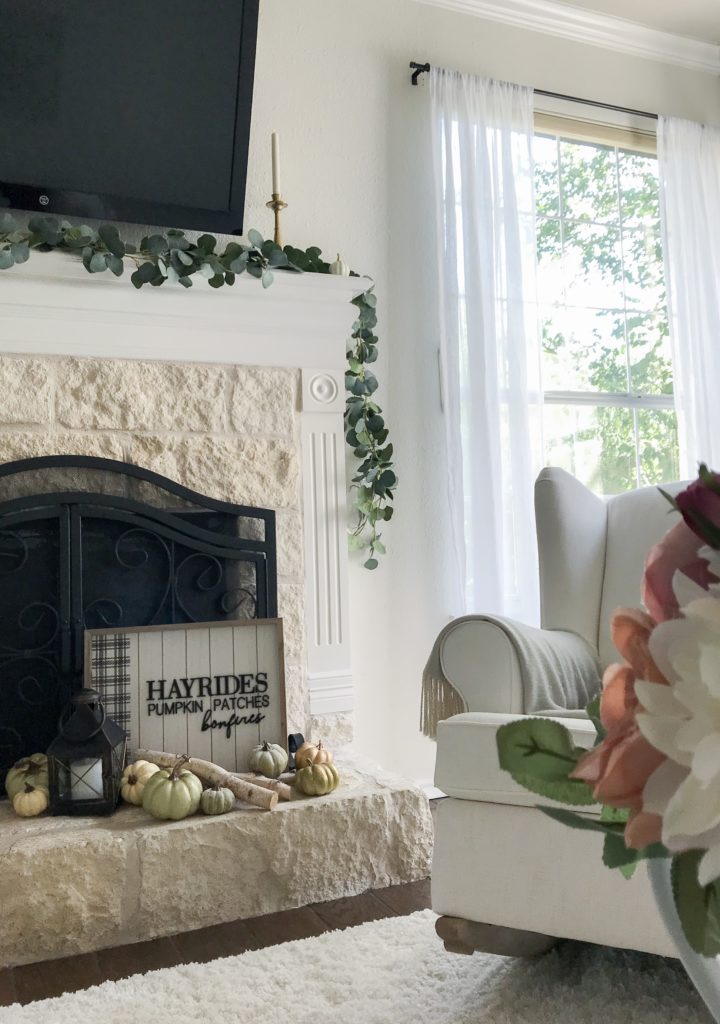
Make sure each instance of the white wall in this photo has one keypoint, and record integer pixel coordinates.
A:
(332, 78)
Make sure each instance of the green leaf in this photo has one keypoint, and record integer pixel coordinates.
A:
(579, 821)
(8, 224)
(593, 713)
(617, 855)
(698, 907)
(267, 279)
(207, 243)
(371, 563)
(540, 755)
(144, 274)
(156, 245)
(255, 238)
(20, 252)
(115, 264)
(97, 263)
(185, 258)
(110, 238)
(6, 259)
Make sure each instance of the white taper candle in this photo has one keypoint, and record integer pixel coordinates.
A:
(276, 163)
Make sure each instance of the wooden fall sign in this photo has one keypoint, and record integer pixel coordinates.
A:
(212, 689)
(259, 792)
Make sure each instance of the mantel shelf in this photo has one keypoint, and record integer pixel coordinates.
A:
(51, 306)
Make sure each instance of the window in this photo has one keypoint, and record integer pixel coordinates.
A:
(607, 377)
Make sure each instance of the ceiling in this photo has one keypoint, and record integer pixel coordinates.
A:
(697, 19)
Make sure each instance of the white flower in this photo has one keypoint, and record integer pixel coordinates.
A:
(683, 722)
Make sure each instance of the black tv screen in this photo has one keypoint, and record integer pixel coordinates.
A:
(130, 110)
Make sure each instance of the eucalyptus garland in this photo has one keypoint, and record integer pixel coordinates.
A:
(173, 257)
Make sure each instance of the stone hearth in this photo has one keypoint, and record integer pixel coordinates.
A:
(72, 885)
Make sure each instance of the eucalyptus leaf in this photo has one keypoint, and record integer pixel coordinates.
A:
(97, 263)
(110, 238)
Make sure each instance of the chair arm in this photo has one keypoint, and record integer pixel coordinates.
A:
(501, 666)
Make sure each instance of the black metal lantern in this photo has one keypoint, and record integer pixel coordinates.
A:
(86, 759)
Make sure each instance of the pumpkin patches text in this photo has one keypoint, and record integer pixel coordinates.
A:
(224, 701)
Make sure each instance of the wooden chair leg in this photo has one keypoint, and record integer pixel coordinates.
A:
(461, 936)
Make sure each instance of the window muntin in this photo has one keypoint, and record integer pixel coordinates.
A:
(609, 416)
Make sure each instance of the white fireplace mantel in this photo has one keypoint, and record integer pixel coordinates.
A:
(50, 306)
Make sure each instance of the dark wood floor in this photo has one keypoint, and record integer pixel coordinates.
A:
(54, 977)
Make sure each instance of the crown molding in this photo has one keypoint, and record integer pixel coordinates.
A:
(594, 29)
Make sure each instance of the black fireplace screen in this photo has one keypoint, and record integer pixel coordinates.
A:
(88, 542)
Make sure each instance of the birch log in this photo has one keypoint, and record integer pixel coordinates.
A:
(215, 775)
(282, 789)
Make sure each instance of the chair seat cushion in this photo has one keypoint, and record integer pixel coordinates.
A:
(467, 760)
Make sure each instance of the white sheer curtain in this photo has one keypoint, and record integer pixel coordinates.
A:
(490, 344)
(689, 167)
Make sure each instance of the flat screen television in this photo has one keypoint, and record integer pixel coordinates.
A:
(127, 110)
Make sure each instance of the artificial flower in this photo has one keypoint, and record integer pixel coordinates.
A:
(678, 551)
(682, 722)
(620, 766)
(699, 505)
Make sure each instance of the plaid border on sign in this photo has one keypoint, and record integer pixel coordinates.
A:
(110, 672)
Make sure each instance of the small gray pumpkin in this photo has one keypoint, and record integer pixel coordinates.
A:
(268, 759)
(217, 800)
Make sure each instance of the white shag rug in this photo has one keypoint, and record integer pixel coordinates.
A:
(393, 971)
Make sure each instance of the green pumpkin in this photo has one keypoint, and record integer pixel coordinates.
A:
(32, 770)
(268, 759)
(217, 800)
(172, 794)
(317, 779)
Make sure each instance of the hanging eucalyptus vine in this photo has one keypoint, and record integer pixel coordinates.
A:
(173, 257)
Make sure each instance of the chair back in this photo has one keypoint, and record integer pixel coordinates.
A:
(592, 552)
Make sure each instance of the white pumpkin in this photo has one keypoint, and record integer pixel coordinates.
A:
(30, 801)
(268, 759)
(133, 781)
(339, 266)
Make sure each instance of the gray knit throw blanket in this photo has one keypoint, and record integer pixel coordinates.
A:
(559, 672)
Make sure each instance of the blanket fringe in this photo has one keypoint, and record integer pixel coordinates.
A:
(439, 700)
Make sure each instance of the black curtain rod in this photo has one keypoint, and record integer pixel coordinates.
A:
(421, 69)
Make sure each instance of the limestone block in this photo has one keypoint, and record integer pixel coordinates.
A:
(289, 543)
(25, 391)
(334, 730)
(296, 699)
(263, 401)
(370, 833)
(27, 445)
(291, 608)
(263, 474)
(58, 898)
(118, 394)
(72, 885)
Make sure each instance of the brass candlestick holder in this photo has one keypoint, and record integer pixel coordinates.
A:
(277, 205)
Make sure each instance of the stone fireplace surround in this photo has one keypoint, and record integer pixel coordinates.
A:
(236, 393)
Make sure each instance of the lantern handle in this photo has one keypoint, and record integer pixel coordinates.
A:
(90, 735)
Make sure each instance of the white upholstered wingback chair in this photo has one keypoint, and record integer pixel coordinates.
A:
(498, 860)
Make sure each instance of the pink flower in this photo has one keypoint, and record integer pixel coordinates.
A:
(678, 551)
(699, 505)
(618, 768)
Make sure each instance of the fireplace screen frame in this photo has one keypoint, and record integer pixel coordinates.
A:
(172, 528)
